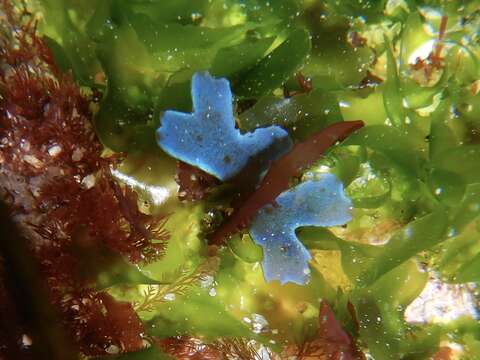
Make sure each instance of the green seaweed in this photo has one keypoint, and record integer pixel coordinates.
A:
(185, 320)
(276, 67)
(412, 172)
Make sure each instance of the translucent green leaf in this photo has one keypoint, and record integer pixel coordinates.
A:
(380, 309)
(139, 55)
(104, 267)
(370, 108)
(462, 160)
(123, 273)
(276, 67)
(185, 244)
(302, 114)
(447, 186)
(413, 36)
(168, 11)
(369, 191)
(417, 96)
(398, 285)
(259, 11)
(442, 136)
(468, 107)
(65, 23)
(370, 10)
(454, 252)
(393, 93)
(470, 271)
(346, 167)
(183, 42)
(334, 64)
(195, 314)
(232, 61)
(419, 235)
(244, 247)
(468, 209)
(356, 257)
(464, 62)
(391, 142)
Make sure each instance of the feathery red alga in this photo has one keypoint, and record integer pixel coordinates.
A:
(61, 193)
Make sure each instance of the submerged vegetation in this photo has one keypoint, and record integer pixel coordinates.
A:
(147, 257)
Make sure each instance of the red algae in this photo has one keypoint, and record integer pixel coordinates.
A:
(60, 191)
(278, 177)
(337, 341)
(332, 341)
(435, 60)
(194, 184)
(187, 348)
(444, 353)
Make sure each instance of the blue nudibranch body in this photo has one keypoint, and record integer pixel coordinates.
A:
(208, 139)
(312, 203)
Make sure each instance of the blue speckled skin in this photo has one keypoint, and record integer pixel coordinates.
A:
(312, 203)
(208, 139)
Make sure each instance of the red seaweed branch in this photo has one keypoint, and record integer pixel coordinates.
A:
(331, 343)
(189, 348)
(61, 194)
(435, 60)
(278, 177)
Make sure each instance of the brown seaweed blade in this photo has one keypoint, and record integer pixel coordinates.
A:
(278, 177)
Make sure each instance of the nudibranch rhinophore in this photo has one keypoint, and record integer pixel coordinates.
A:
(208, 138)
(312, 203)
